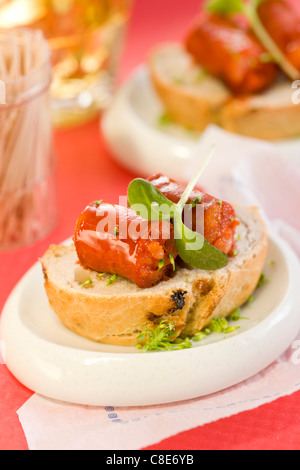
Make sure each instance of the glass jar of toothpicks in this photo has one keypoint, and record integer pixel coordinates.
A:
(27, 161)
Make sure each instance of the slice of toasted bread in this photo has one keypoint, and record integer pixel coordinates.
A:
(118, 312)
(195, 99)
(190, 96)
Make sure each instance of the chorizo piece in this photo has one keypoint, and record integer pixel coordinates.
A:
(283, 25)
(114, 239)
(231, 53)
(219, 216)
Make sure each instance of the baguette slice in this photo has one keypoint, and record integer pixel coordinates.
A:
(195, 99)
(117, 313)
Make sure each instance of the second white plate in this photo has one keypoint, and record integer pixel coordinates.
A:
(139, 142)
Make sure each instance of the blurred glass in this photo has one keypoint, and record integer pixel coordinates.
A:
(86, 38)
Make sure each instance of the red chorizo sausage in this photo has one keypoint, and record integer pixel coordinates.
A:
(115, 239)
(230, 53)
(283, 25)
(219, 216)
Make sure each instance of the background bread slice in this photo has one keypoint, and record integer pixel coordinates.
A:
(118, 312)
(194, 99)
(190, 96)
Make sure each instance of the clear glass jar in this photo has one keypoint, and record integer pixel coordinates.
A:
(27, 161)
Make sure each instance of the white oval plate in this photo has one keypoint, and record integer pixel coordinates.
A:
(51, 360)
(139, 143)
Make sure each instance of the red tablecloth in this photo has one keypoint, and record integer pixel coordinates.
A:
(87, 171)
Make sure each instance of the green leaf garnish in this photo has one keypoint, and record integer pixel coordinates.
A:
(225, 6)
(199, 336)
(262, 280)
(148, 201)
(165, 120)
(161, 264)
(195, 201)
(172, 261)
(250, 300)
(111, 279)
(235, 315)
(195, 250)
(192, 247)
(87, 284)
(249, 9)
(160, 339)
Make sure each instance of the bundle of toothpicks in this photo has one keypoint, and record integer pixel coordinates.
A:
(26, 155)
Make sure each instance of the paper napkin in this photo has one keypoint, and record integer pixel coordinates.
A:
(242, 170)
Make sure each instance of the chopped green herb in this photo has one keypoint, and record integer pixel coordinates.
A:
(220, 203)
(87, 283)
(165, 120)
(236, 315)
(235, 253)
(186, 279)
(199, 336)
(171, 258)
(272, 262)
(224, 6)
(97, 203)
(262, 280)
(201, 74)
(218, 324)
(161, 264)
(250, 300)
(100, 275)
(112, 279)
(178, 80)
(230, 329)
(195, 201)
(116, 230)
(160, 339)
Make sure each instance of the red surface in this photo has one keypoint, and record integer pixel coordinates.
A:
(86, 171)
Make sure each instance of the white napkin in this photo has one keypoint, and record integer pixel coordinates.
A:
(243, 170)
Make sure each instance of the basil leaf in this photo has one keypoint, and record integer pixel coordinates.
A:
(225, 6)
(143, 196)
(191, 246)
(195, 250)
